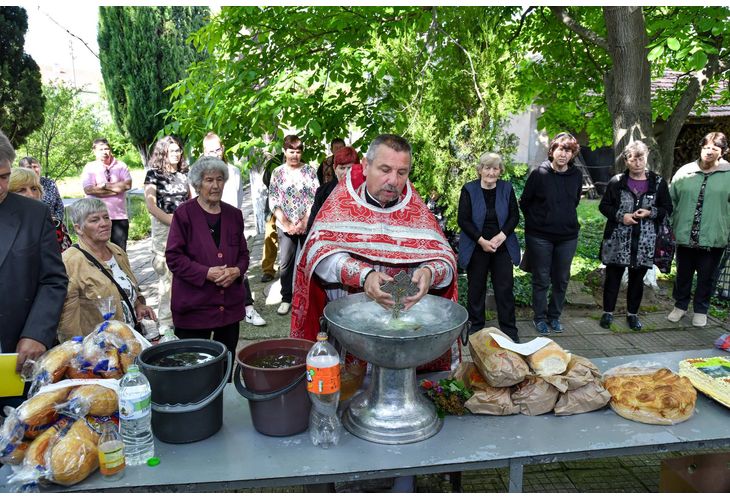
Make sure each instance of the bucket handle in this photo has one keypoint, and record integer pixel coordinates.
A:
(190, 407)
(464, 335)
(258, 397)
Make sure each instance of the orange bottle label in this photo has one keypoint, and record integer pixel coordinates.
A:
(323, 380)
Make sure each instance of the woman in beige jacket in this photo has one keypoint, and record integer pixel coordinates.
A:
(88, 285)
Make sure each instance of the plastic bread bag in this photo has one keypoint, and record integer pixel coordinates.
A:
(32, 417)
(650, 393)
(34, 467)
(52, 366)
(65, 454)
(98, 397)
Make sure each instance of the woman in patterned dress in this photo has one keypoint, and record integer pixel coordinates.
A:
(291, 196)
(634, 205)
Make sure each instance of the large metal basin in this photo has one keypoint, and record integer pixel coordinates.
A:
(391, 410)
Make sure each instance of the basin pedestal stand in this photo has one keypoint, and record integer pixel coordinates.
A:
(392, 410)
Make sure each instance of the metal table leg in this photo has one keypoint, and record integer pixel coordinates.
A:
(515, 476)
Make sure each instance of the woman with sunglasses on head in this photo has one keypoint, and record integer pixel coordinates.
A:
(550, 201)
(165, 188)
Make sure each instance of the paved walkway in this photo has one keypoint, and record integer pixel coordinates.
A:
(582, 335)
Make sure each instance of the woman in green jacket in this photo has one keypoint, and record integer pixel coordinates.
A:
(700, 194)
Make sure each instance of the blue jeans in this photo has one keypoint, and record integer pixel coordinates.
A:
(550, 263)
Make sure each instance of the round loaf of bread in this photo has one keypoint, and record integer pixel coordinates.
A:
(660, 397)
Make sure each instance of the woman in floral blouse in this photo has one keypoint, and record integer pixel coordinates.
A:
(291, 196)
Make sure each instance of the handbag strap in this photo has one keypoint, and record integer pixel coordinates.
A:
(101, 268)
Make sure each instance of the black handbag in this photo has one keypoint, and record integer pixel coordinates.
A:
(122, 293)
(664, 247)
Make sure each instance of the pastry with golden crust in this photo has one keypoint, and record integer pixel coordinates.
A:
(658, 397)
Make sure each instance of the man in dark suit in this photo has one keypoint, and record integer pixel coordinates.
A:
(32, 276)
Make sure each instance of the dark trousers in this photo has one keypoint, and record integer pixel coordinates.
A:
(634, 291)
(227, 335)
(499, 266)
(247, 298)
(550, 262)
(120, 230)
(689, 262)
(289, 247)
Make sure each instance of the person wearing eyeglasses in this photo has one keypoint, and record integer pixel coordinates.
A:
(165, 188)
(109, 180)
(550, 202)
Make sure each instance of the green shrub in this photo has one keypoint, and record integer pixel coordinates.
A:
(140, 225)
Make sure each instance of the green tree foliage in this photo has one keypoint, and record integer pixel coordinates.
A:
(21, 98)
(63, 143)
(144, 50)
(438, 75)
(595, 67)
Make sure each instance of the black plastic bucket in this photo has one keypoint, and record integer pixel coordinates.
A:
(187, 402)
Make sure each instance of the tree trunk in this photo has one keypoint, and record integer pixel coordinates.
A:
(628, 82)
(668, 137)
(143, 153)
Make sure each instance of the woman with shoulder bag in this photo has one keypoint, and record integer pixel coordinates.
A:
(635, 203)
(97, 268)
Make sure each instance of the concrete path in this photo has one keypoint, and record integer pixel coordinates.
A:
(582, 335)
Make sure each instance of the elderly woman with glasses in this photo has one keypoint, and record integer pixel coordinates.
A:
(635, 202)
(207, 255)
(97, 269)
(488, 215)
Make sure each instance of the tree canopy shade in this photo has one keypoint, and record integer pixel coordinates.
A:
(21, 97)
(596, 65)
(144, 50)
(441, 76)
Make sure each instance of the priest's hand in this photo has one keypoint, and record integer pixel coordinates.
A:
(422, 278)
(372, 289)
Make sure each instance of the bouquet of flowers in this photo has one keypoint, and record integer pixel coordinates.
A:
(448, 395)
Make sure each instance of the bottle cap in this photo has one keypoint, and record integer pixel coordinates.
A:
(133, 369)
(321, 336)
(153, 462)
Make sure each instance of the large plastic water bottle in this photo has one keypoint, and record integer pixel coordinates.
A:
(135, 417)
(323, 385)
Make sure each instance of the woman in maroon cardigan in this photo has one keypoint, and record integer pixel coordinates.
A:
(207, 255)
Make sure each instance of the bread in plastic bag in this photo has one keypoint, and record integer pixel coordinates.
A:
(650, 393)
(52, 365)
(534, 396)
(498, 366)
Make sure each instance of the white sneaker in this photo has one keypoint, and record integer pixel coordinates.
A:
(676, 315)
(699, 319)
(255, 318)
(284, 308)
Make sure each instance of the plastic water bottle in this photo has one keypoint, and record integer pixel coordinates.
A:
(167, 334)
(323, 385)
(135, 417)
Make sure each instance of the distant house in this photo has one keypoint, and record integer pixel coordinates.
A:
(532, 148)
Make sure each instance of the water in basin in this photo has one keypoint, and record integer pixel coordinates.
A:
(370, 317)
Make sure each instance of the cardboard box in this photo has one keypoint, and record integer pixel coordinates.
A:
(708, 473)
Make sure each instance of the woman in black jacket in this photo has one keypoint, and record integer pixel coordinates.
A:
(635, 203)
(549, 201)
